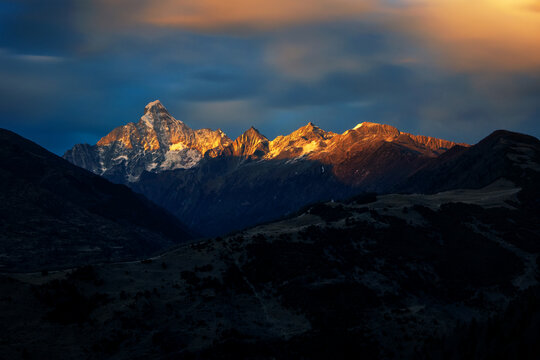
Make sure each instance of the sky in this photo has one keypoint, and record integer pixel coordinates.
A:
(71, 71)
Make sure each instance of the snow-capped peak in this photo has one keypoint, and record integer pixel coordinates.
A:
(159, 142)
(153, 111)
(367, 124)
(154, 105)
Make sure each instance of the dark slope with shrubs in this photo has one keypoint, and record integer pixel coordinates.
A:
(512, 334)
(55, 214)
(349, 280)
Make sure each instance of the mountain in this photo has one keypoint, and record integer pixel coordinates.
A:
(220, 195)
(257, 180)
(305, 140)
(218, 185)
(502, 154)
(374, 157)
(158, 142)
(225, 194)
(250, 145)
(55, 214)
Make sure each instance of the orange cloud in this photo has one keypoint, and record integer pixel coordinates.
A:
(469, 35)
(501, 35)
(251, 14)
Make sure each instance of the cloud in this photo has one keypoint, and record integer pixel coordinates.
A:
(39, 27)
(249, 14)
(481, 35)
(464, 35)
(448, 68)
(490, 35)
(32, 58)
(233, 116)
(310, 58)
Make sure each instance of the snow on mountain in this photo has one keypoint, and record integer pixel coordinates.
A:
(159, 142)
(235, 184)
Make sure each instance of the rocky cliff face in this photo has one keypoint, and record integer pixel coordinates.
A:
(304, 141)
(158, 142)
(377, 156)
(251, 145)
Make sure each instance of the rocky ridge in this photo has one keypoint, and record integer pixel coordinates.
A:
(159, 142)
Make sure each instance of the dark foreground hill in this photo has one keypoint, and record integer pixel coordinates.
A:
(54, 214)
(388, 279)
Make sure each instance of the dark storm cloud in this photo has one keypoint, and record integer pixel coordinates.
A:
(39, 26)
(72, 71)
(343, 87)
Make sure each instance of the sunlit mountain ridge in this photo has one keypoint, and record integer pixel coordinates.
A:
(159, 142)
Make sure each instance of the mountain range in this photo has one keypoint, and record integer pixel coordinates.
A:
(423, 269)
(216, 185)
(394, 276)
(158, 142)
